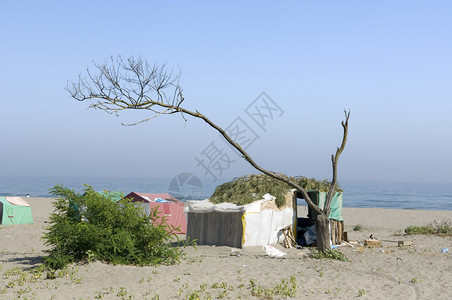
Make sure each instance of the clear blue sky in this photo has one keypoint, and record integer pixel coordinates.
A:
(389, 62)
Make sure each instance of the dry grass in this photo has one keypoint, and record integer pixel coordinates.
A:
(249, 188)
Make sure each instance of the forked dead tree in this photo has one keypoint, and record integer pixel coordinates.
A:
(122, 84)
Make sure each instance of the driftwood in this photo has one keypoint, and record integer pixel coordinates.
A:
(337, 232)
(289, 240)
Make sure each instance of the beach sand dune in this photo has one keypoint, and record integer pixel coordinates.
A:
(420, 271)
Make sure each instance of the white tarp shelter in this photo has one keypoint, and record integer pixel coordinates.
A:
(226, 224)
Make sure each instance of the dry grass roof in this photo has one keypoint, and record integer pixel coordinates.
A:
(249, 188)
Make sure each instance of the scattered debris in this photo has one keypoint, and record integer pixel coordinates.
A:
(235, 252)
(341, 245)
(372, 243)
(289, 239)
(405, 243)
(273, 252)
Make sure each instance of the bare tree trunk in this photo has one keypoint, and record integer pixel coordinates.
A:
(322, 228)
(322, 224)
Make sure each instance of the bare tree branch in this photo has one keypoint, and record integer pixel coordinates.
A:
(122, 84)
(334, 160)
(148, 119)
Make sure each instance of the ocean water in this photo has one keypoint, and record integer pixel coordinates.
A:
(437, 196)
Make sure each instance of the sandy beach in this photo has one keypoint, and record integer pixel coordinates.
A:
(420, 271)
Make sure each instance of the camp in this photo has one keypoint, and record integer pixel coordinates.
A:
(227, 224)
(14, 210)
(305, 225)
(257, 210)
(167, 206)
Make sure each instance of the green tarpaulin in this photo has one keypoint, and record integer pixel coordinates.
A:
(319, 199)
(11, 214)
(113, 196)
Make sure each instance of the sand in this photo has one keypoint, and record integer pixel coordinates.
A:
(420, 271)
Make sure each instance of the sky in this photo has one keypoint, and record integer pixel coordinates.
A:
(388, 62)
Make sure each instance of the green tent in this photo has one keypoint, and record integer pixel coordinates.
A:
(113, 196)
(14, 210)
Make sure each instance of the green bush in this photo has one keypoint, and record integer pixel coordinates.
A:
(357, 227)
(419, 230)
(436, 227)
(92, 226)
(328, 253)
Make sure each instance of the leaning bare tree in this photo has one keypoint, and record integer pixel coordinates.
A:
(122, 84)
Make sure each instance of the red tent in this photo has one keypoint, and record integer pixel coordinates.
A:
(168, 206)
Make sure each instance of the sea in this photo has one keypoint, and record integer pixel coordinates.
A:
(185, 186)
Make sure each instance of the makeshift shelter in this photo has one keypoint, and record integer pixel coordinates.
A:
(336, 219)
(168, 207)
(14, 210)
(227, 224)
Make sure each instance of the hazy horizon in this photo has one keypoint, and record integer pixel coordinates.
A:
(387, 62)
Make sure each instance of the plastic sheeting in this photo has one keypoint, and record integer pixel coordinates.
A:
(168, 207)
(319, 199)
(227, 224)
(215, 228)
(17, 201)
(273, 252)
(173, 214)
(263, 228)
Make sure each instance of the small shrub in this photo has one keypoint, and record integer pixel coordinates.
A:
(122, 292)
(442, 227)
(192, 295)
(419, 230)
(436, 227)
(286, 288)
(329, 253)
(357, 227)
(13, 272)
(91, 226)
